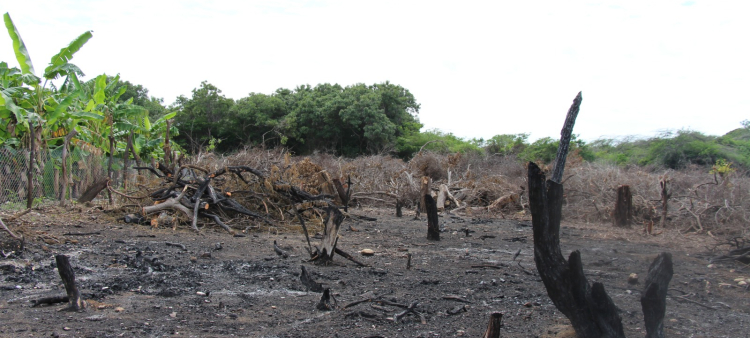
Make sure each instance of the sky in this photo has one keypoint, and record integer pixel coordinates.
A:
(477, 68)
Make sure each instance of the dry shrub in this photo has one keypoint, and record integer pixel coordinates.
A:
(699, 200)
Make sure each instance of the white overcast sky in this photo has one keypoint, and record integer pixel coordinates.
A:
(478, 68)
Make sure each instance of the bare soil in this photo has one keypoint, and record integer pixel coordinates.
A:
(219, 286)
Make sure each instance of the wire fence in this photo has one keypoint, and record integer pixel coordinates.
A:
(48, 184)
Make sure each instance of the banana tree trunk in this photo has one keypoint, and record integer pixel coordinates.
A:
(30, 172)
(109, 166)
(65, 174)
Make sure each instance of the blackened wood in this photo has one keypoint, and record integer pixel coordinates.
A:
(433, 226)
(493, 327)
(654, 297)
(565, 136)
(69, 280)
(49, 300)
(342, 253)
(327, 302)
(308, 282)
(399, 206)
(622, 216)
(589, 309)
(93, 190)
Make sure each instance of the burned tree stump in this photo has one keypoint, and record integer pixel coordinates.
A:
(622, 216)
(327, 249)
(433, 226)
(69, 280)
(654, 297)
(399, 206)
(493, 328)
(589, 309)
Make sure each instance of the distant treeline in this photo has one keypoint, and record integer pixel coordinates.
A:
(349, 121)
(382, 118)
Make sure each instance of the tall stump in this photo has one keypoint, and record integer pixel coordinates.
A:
(622, 216)
(433, 226)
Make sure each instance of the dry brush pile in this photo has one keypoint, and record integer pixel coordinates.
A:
(696, 200)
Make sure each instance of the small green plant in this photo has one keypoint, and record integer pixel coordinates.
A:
(722, 168)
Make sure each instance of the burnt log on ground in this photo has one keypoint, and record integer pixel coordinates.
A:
(622, 216)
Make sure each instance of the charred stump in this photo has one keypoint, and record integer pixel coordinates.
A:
(69, 280)
(589, 309)
(654, 297)
(399, 207)
(622, 216)
(327, 248)
(433, 226)
(493, 327)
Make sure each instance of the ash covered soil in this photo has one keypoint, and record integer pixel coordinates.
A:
(219, 285)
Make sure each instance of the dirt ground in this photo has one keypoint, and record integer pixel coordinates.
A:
(219, 285)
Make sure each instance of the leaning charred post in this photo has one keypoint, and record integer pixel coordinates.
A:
(69, 280)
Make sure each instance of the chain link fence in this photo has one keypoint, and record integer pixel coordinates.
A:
(48, 183)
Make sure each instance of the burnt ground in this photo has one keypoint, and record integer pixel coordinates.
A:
(220, 285)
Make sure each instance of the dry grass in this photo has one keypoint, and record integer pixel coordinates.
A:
(699, 202)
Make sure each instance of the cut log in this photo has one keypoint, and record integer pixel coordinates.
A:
(493, 327)
(505, 201)
(433, 226)
(622, 216)
(93, 191)
(445, 195)
(654, 297)
(424, 190)
(69, 280)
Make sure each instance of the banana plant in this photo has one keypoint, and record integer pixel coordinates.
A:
(30, 98)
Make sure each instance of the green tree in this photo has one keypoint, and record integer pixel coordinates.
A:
(199, 117)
